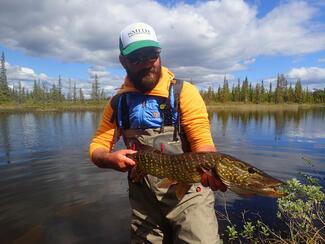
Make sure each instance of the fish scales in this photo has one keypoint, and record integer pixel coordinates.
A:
(182, 167)
(188, 168)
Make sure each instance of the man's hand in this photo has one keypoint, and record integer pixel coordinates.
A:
(213, 182)
(115, 160)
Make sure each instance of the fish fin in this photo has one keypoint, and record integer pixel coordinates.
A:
(166, 183)
(181, 190)
(136, 175)
(206, 170)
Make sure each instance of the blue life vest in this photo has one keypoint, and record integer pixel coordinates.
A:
(134, 110)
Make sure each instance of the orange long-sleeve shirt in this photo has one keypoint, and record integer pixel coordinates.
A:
(194, 117)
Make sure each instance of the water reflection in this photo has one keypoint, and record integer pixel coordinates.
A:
(51, 193)
(279, 120)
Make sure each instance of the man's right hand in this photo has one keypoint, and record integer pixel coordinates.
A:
(117, 160)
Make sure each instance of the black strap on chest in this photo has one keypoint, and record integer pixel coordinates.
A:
(178, 85)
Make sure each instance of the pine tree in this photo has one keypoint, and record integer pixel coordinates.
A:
(298, 93)
(20, 93)
(61, 97)
(257, 94)
(245, 91)
(263, 94)
(95, 89)
(69, 96)
(270, 94)
(81, 95)
(219, 94)
(225, 91)
(4, 89)
(74, 92)
(280, 90)
(291, 95)
(102, 94)
(237, 92)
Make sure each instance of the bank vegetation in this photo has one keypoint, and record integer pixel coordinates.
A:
(244, 95)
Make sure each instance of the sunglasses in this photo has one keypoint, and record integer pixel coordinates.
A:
(143, 57)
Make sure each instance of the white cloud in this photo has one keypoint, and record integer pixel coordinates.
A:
(201, 41)
(311, 75)
(15, 72)
(27, 76)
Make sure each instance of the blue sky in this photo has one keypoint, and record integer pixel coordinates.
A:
(202, 40)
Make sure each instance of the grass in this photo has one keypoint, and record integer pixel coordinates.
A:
(261, 107)
(48, 107)
(99, 105)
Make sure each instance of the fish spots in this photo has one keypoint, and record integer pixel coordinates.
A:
(251, 170)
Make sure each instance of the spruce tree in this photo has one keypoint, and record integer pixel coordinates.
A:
(245, 91)
(298, 93)
(4, 89)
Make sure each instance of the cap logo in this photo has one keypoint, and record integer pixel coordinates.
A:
(138, 31)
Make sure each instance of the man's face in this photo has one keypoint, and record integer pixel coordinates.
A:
(143, 68)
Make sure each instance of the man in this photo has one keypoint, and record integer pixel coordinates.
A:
(153, 109)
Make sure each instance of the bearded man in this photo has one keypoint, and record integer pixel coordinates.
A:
(153, 109)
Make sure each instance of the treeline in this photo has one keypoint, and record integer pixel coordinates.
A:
(247, 93)
(43, 92)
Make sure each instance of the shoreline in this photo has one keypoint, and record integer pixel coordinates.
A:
(261, 107)
(100, 106)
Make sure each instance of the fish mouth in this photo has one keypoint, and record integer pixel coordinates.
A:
(275, 190)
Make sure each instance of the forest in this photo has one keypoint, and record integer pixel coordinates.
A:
(243, 92)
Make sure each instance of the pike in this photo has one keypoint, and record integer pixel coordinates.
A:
(185, 169)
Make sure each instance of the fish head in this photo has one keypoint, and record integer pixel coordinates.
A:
(245, 179)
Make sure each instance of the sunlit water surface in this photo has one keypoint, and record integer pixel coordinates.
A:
(51, 193)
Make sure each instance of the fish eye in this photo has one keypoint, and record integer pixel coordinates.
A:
(251, 170)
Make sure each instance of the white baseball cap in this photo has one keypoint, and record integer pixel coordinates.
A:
(136, 36)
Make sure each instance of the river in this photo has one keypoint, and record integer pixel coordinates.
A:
(50, 192)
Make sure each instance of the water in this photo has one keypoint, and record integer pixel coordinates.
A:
(51, 193)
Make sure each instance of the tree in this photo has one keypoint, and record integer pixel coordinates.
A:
(298, 93)
(319, 95)
(250, 92)
(81, 95)
(69, 96)
(225, 91)
(270, 94)
(61, 97)
(291, 95)
(95, 89)
(21, 91)
(245, 91)
(281, 89)
(237, 92)
(257, 95)
(4, 89)
(74, 92)
(263, 94)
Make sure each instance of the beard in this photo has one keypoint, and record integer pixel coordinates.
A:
(146, 79)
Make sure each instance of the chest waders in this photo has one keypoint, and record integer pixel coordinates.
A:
(157, 215)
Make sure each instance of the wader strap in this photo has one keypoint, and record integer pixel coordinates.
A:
(178, 85)
(125, 113)
(114, 103)
(162, 108)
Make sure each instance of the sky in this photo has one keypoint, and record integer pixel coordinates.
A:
(202, 41)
